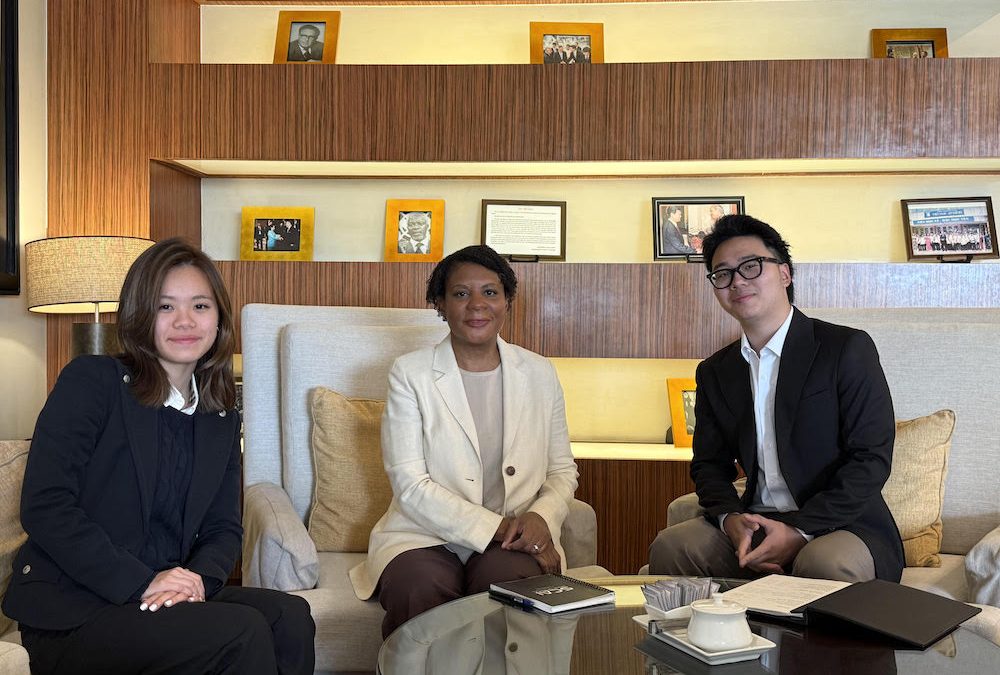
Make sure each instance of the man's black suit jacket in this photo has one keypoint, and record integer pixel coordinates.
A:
(87, 496)
(834, 427)
(295, 52)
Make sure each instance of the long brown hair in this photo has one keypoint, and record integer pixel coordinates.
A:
(137, 309)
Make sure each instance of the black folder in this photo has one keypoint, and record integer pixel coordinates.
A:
(908, 615)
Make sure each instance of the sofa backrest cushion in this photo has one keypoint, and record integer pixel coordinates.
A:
(938, 359)
(13, 457)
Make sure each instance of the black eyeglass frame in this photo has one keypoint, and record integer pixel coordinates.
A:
(733, 271)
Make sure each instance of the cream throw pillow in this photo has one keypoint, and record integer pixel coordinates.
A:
(13, 457)
(915, 489)
(352, 490)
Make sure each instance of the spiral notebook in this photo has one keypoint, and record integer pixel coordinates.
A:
(551, 593)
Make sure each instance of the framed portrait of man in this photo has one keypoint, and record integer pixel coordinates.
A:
(414, 230)
(680, 224)
(306, 37)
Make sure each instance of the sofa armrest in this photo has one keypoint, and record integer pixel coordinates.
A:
(278, 552)
(982, 569)
(13, 657)
(579, 535)
(686, 507)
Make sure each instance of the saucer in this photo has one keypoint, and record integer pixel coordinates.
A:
(677, 637)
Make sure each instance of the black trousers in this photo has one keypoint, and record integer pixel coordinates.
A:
(239, 630)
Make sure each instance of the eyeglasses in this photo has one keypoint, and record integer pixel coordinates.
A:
(748, 269)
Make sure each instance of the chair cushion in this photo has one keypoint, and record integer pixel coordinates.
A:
(13, 457)
(915, 489)
(351, 490)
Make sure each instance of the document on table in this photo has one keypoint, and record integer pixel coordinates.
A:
(781, 595)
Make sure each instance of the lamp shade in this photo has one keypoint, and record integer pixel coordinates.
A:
(77, 275)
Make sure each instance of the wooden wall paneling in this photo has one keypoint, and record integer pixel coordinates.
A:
(174, 204)
(173, 28)
(626, 111)
(630, 498)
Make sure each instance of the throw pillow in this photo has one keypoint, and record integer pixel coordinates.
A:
(351, 490)
(13, 457)
(915, 489)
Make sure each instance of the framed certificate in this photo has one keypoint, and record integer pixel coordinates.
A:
(525, 229)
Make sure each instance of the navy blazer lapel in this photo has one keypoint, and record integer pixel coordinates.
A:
(735, 369)
(142, 426)
(797, 355)
(212, 445)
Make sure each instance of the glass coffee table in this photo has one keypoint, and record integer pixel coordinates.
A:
(480, 635)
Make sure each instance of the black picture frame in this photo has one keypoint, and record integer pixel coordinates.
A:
(531, 248)
(681, 240)
(10, 274)
(949, 228)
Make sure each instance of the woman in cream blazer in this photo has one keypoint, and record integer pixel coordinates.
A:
(475, 444)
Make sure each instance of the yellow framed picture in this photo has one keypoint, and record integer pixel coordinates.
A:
(277, 233)
(909, 43)
(306, 37)
(567, 43)
(681, 394)
(414, 230)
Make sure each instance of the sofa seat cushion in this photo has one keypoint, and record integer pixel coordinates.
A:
(348, 630)
(13, 457)
(352, 490)
(915, 489)
(948, 579)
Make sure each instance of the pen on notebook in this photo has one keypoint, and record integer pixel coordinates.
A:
(522, 603)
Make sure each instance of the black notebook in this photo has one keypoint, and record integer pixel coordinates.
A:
(551, 593)
(908, 615)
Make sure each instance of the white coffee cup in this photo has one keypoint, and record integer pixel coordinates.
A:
(718, 625)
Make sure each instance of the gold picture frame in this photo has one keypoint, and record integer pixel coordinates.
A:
(905, 43)
(681, 394)
(551, 42)
(277, 233)
(414, 230)
(289, 49)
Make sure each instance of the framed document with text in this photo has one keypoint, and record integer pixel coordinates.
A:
(525, 229)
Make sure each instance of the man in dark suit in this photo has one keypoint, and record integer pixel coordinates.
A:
(803, 407)
(671, 239)
(306, 47)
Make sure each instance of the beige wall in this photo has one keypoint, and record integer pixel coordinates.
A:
(22, 336)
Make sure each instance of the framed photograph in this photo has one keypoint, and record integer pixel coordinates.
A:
(681, 394)
(567, 43)
(277, 233)
(909, 43)
(414, 230)
(306, 37)
(525, 229)
(950, 227)
(681, 224)
(10, 250)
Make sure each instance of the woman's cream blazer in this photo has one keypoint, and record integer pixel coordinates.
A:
(431, 453)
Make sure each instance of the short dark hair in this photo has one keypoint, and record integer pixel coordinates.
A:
(740, 225)
(137, 308)
(481, 255)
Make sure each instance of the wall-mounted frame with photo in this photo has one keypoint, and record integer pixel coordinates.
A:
(277, 233)
(10, 250)
(909, 43)
(680, 224)
(681, 394)
(526, 230)
(567, 43)
(414, 230)
(950, 228)
(306, 37)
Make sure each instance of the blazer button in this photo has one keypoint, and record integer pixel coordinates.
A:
(126, 379)
(512, 647)
(222, 413)
(510, 470)
(25, 569)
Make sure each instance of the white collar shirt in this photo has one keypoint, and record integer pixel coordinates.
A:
(176, 399)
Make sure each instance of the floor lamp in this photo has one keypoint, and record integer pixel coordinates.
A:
(74, 275)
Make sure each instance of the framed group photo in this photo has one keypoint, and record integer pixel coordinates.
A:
(414, 230)
(306, 37)
(950, 227)
(681, 224)
(567, 43)
(277, 233)
(909, 43)
(681, 394)
(530, 230)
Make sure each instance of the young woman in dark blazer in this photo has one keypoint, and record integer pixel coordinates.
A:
(131, 499)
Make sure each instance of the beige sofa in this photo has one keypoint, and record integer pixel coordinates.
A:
(943, 359)
(13, 455)
(287, 352)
